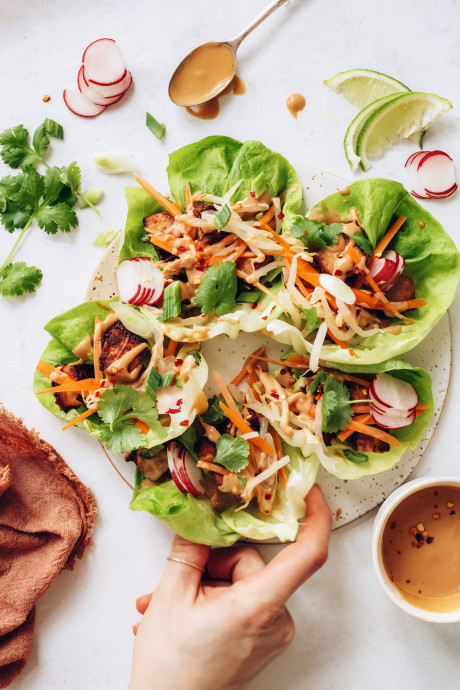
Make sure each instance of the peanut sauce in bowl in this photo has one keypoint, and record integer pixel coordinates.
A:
(416, 548)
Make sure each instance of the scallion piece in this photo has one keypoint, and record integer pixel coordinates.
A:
(251, 296)
(171, 301)
(259, 185)
(222, 218)
(154, 126)
(153, 383)
(166, 380)
(53, 128)
(90, 198)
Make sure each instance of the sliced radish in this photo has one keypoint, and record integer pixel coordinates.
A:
(103, 62)
(110, 90)
(337, 288)
(188, 474)
(139, 281)
(396, 420)
(394, 392)
(172, 452)
(79, 104)
(431, 175)
(383, 270)
(92, 94)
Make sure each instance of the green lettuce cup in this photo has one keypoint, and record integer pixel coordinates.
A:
(124, 403)
(432, 261)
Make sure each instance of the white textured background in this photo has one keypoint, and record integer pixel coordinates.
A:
(348, 635)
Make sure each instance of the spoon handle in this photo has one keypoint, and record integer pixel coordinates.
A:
(236, 40)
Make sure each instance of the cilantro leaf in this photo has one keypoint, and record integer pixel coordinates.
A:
(336, 408)
(214, 415)
(71, 176)
(15, 146)
(315, 234)
(221, 219)
(29, 194)
(40, 141)
(355, 456)
(118, 408)
(52, 185)
(362, 242)
(312, 320)
(232, 453)
(19, 278)
(217, 290)
(319, 378)
(57, 217)
(2, 202)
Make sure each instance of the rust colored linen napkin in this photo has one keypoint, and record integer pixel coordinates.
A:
(46, 520)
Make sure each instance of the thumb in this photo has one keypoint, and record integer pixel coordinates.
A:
(185, 565)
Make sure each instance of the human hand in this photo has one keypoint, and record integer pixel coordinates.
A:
(219, 630)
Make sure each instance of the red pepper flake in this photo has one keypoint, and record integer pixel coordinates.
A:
(268, 497)
(274, 394)
(253, 306)
(253, 193)
(178, 362)
(184, 423)
(338, 272)
(172, 411)
(46, 98)
(280, 215)
(264, 318)
(179, 402)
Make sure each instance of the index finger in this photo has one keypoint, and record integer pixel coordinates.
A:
(298, 561)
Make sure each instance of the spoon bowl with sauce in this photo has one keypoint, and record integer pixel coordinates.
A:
(416, 548)
(210, 68)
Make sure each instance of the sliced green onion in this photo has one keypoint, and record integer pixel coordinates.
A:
(319, 378)
(104, 239)
(153, 383)
(166, 380)
(154, 126)
(53, 128)
(259, 185)
(171, 302)
(90, 198)
(222, 218)
(251, 296)
(243, 480)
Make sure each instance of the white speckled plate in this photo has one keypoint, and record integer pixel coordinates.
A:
(348, 499)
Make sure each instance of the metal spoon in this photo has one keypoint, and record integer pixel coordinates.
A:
(232, 46)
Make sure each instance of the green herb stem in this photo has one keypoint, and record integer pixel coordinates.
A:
(16, 244)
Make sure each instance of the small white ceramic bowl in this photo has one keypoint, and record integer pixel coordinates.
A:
(384, 513)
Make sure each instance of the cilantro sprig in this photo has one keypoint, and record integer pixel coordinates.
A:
(30, 197)
(232, 453)
(336, 408)
(217, 291)
(119, 409)
(314, 234)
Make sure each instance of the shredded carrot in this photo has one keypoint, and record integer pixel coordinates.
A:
(422, 407)
(374, 432)
(364, 419)
(267, 216)
(288, 363)
(71, 385)
(142, 426)
(341, 343)
(166, 244)
(283, 476)
(277, 442)
(238, 421)
(212, 467)
(230, 257)
(171, 349)
(168, 205)
(280, 240)
(227, 396)
(97, 347)
(386, 239)
(80, 418)
(402, 306)
(188, 197)
(45, 368)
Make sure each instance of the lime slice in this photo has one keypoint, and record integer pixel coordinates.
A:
(401, 117)
(364, 86)
(351, 136)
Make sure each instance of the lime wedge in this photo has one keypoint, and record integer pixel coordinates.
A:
(351, 136)
(401, 117)
(364, 86)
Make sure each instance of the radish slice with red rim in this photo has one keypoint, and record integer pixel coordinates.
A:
(392, 392)
(431, 175)
(172, 454)
(112, 90)
(183, 467)
(92, 94)
(79, 104)
(103, 62)
(139, 281)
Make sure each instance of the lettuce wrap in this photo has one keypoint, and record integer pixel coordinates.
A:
(73, 340)
(431, 261)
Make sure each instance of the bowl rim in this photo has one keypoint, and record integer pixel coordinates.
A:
(380, 521)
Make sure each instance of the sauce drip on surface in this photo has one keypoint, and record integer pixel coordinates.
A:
(202, 74)
(210, 109)
(295, 103)
(421, 548)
